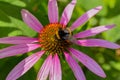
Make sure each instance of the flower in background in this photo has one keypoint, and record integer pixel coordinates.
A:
(55, 39)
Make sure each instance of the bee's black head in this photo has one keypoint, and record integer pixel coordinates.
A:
(64, 34)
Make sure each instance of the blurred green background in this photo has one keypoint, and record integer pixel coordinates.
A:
(11, 24)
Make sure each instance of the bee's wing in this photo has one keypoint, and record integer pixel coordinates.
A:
(73, 40)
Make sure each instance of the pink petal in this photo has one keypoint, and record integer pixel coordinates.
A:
(85, 17)
(17, 40)
(31, 21)
(97, 43)
(17, 49)
(44, 71)
(93, 31)
(66, 15)
(88, 62)
(75, 67)
(53, 11)
(24, 66)
(55, 71)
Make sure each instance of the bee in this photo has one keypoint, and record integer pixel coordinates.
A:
(63, 34)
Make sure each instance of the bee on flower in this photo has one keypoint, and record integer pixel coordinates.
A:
(55, 39)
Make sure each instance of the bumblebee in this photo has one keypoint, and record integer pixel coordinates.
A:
(63, 34)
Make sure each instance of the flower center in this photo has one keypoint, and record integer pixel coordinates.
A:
(55, 38)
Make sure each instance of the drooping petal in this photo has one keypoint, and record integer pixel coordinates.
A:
(97, 43)
(55, 71)
(24, 66)
(31, 21)
(75, 67)
(66, 15)
(88, 62)
(85, 17)
(44, 71)
(53, 11)
(17, 49)
(93, 31)
(18, 40)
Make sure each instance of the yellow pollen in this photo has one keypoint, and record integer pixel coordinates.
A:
(52, 40)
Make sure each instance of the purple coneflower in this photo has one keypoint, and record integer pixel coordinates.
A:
(56, 39)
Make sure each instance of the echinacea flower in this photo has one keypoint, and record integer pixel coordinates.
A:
(55, 39)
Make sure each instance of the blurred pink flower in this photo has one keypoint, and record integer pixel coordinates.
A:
(55, 39)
